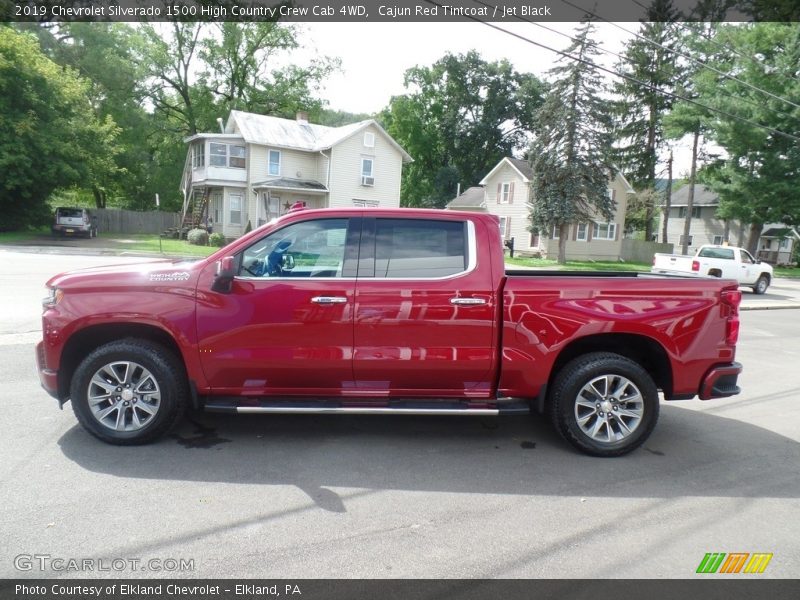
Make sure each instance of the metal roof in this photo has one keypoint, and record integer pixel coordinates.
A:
(289, 183)
(471, 198)
(296, 134)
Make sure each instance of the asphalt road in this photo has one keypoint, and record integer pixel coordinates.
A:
(406, 497)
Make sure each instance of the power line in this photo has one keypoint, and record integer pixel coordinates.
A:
(724, 47)
(626, 59)
(686, 56)
(622, 75)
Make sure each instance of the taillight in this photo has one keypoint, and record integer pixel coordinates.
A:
(695, 265)
(731, 298)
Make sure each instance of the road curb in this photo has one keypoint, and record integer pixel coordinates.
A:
(773, 307)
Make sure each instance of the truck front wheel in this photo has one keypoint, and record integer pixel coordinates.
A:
(761, 285)
(604, 404)
(129, 392)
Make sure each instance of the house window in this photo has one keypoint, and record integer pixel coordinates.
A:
(689, 243)
(199, 155)
(505, 226)
(605, 231)
(369, 140)
(785, 244)
(505, 193)
(274, 162)
(219, 154)
(367, 178)
(235, 204)
(582, 235)
(236, 158)
(695, 212)
(717, 241)
(223, 155)
(556, 232)
(534, 241)
(366, 203)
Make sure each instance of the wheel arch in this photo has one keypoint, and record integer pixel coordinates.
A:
(82, 342)
(641, 349)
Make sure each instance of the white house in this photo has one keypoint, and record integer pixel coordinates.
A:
(506, 192)
(775, 245)
(259, 166)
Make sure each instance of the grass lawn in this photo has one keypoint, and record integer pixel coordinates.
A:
(788, 272)
(573, 265)
(150, 243)
(20, 236)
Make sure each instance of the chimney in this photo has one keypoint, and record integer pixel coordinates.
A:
(302, 117)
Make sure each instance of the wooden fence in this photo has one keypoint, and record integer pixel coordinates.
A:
(111, 220)
(640, 251)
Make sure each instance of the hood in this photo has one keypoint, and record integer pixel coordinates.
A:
(130, 275)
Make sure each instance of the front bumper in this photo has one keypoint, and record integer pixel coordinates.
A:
(47, 377)
(720, 382)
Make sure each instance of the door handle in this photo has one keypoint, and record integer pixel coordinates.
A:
(467, 301)
(329, 300)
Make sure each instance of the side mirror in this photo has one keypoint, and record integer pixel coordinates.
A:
(226, 271)
(287, 262)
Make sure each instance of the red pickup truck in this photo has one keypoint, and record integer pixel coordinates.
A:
(383, 311)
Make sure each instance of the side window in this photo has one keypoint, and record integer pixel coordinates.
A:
(747, 258)
(307, 249)
(417, 249)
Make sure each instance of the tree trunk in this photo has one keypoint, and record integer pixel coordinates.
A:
(563, 232)
(99, 197)
(690, 202)
(667, 200)
(754, 237)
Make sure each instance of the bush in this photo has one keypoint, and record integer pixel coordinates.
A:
(216, 239)
(198, 237)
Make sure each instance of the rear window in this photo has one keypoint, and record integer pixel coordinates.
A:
(412, 248)
(70, 213)
(726, 253)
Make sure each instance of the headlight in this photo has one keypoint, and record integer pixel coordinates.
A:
(53, 297)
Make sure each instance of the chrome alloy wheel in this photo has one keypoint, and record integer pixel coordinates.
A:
(123, 396)
(609, 408)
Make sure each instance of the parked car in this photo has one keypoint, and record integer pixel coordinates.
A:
(74, 221)
(372, 311)
(728, 262)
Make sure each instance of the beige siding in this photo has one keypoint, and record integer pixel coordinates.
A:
(345, 182)
(516, 211)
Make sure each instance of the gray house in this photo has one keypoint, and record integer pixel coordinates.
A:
(775, 245)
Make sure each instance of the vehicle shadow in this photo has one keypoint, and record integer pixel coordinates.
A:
(691, 453)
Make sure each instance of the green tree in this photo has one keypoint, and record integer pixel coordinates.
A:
(571, 154)
(49, 135)
(462, 115)
(649, 76)
(758, 177)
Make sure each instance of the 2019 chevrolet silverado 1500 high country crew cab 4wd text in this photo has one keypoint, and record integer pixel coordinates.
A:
(383, 311)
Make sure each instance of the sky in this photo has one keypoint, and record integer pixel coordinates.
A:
(375, 56)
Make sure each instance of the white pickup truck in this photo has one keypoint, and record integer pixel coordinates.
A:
(728, 262)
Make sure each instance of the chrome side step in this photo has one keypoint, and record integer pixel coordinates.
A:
(324, 406)
(366, 410)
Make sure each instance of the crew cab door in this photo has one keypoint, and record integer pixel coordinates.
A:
(425, 310)
(286, 327)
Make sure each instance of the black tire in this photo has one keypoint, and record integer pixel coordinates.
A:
(161, 392)
(635, 394)
(762, 283)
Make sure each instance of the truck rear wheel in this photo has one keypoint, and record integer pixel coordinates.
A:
(604, 404)
(129, 392)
